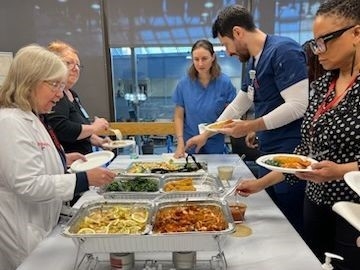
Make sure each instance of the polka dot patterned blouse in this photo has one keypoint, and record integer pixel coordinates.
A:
(334, 136)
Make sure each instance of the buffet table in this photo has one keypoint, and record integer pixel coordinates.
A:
(273, 244)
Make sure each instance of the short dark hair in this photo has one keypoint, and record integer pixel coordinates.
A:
(230, 16)
(347, 9)
(215, 69)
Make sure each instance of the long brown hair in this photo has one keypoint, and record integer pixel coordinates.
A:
(215, 69)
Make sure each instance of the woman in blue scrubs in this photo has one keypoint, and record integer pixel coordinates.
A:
(201, 97)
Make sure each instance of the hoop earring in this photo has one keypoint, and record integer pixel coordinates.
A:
(353, 61)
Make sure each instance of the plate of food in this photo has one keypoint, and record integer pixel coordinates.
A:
(118, 144)
(215, 127)
(286, 163)
(93, 160)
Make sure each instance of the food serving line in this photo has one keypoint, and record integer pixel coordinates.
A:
(273, 244)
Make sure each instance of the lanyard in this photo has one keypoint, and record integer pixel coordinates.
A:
(325, 107)
(55, 140)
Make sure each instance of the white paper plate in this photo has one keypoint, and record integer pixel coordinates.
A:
(261, 161)
(353, 181)
(212, 127)
(94, 160)
(118, 144)
(349, 211)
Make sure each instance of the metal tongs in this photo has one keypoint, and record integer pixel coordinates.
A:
(187, 167)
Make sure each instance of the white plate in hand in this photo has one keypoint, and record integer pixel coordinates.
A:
(353, 181)
(350, 211)
(118, 144)
(261, 161)
(216, 126)
(94, 160)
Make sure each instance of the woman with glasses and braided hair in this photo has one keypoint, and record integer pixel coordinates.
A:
(331, 133)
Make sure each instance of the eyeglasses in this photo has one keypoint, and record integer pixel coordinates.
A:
(56, 85)
(319, 45)
(71, 65)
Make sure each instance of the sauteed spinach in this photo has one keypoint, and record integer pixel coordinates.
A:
(138, 184)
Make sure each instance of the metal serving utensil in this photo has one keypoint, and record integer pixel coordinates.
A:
(230, 190)
(187, 167)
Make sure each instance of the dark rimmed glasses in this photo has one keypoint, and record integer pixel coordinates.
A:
(56, 85)
(319, 45)
(71, 65)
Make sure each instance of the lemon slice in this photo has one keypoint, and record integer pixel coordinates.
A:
(140, 217)
(86, 231)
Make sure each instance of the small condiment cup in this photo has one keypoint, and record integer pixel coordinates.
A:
(225, 173)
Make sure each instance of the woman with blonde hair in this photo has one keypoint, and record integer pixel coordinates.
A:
(69, 118)
(33, 183)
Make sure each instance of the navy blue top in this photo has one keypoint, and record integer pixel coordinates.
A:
(282, 63)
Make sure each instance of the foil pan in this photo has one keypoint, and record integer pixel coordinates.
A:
(136, 192)
(204, 185)
(149, 241)
(164, 167)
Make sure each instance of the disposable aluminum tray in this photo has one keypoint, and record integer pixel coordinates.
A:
(133, 194)
(205, 184)
(101, 241)
(150, 242)
(138, 168)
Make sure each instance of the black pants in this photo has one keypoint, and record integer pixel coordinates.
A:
(291, 203)
(326, 231)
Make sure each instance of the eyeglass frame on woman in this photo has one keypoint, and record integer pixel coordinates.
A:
(71, 65)
(56, 85)
(317, 47)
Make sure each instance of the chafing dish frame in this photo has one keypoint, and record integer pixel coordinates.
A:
(149, 241)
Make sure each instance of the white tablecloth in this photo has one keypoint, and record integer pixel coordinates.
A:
(274, 243)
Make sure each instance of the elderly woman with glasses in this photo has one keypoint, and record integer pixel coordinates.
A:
(331, 133)
(33, 183)
(69, 118)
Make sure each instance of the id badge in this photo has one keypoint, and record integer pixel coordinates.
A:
(250, 92)
(84, 112)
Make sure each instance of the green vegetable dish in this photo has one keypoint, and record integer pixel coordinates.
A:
(272, 162)
(138, 184)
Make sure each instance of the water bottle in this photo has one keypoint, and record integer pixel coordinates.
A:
(134, 149)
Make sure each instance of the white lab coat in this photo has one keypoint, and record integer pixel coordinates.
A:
(32, 185)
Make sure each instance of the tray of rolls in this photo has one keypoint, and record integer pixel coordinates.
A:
(187, 224)
(152, 186)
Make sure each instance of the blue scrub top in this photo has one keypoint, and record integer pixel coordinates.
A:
(282, 64)
(204, 105)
